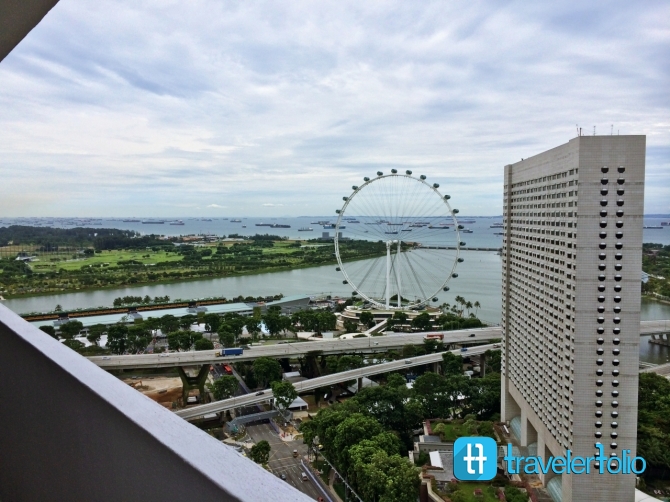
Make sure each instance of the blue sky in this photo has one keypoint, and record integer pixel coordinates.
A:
(173, 108)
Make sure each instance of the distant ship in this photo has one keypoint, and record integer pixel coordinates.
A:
(153, 222)
(263, 224)
(244, 226)
(321, 222)
(206, 219)
(654, 227)
(178, 222)
(331, 226)
(466, 231)
(353, 221)
(497, 225)
(278, 225)
(406, 229)
(236, 221)
(131, 221)
(469, 222)
(393, 232)
(665, 223)
(440, 227)
(305, 229)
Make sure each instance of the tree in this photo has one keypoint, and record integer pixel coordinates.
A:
(395, 380)
(423, 322)
(254, 326)
(73, 344)
(367, 319)
(117, 338)
(58, 308)
(50, 330)
(452, 364)
(226, 338)
(267, 370)
(273, 320)
(477, 306)
(260, 452)
(187, 321)
(284, 393)
(211, 321)
(223, 387)
(173, 341)
(399, 317)
(348, 362)
(203, 344)
(187, 339)
(350, 326)
(95, 333)
(169, 323)
(71, 329)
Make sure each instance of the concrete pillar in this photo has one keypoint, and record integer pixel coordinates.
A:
(437, 368)
(360, 384)
(189, 382)
(508, 406)
(541, 453)
(528, 433)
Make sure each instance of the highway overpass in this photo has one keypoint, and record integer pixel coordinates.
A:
(294, 349)
(326, 347)
(324, 381)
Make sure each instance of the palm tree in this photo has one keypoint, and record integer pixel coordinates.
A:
(477, 307)
(468, 306)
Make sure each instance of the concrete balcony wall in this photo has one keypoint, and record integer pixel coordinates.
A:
(71, 431)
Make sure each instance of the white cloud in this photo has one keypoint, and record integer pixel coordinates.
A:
(216, 206)
(141, 107)
(267, 204)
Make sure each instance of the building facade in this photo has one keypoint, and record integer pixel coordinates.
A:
(572, 257)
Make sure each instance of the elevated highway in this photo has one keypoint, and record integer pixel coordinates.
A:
(297, 349)
(326, 347)
(324, 381)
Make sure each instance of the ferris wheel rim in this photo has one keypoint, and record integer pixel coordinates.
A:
(451, 214)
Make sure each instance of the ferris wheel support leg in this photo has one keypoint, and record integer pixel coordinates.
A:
(388, 274)
(397, 273)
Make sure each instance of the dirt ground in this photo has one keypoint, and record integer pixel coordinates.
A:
(163, 390)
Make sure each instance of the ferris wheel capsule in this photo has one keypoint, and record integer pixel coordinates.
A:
(422, 177)
(408, 172)
(394, 171)
(379, 173)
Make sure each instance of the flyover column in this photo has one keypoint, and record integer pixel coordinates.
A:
(189, 382)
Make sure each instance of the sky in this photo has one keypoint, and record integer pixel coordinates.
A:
(221, 108)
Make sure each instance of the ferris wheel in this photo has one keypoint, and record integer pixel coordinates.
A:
(411, 233)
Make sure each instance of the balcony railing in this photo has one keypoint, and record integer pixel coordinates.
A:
(71, 431)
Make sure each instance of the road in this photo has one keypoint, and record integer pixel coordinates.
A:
(326, 346)
(282, 461)
(325, 381)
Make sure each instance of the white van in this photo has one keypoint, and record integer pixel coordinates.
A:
(304, 476)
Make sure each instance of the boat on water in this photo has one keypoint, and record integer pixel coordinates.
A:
(653, 227)
(396, 224)
(499, 233)
(466, 231)
(331, 226)
(352, 221)
(131, 221)
(468, 222)
(406, 230)
(320, 222)
(236, 221)
(305, 229)
(178, 222)
(263, 224)
(665, 223)
(244, 226)
(497, 225)
(440, 227)
(279, 225)
(392, 232)
(153, 222)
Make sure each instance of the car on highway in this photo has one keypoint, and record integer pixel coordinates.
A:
(407, 361)
(464, 349)
(163, 354)
(106, 358)
(471, 335)
(283, 476)
(496, 345)
(303, 477)
(260, 393)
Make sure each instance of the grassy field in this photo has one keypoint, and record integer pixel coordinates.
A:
(103, 259)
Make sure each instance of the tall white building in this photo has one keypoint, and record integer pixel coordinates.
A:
(572, 256)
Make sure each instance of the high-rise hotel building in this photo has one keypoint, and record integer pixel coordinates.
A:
(571, 306)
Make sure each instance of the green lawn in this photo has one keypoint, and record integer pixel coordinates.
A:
(467, 490)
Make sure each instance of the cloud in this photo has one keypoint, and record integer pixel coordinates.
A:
(141, 107)
(272, 205)
(216, 206)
